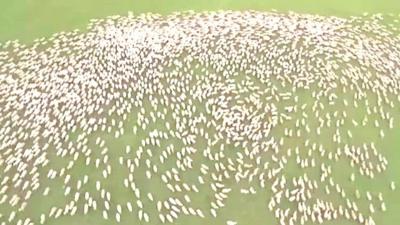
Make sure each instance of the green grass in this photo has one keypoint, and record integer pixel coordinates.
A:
(30, 19)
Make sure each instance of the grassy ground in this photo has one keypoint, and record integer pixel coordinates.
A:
(29, 19)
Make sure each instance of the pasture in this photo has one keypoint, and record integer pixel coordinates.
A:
(216, 130)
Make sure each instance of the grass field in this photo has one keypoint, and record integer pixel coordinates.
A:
(29, 19)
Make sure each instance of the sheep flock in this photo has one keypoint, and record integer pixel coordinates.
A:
(152, 119)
